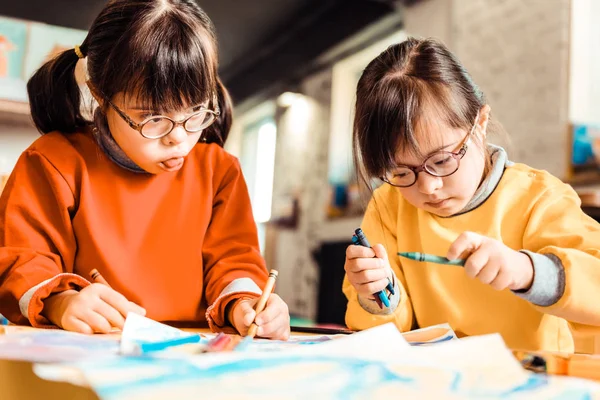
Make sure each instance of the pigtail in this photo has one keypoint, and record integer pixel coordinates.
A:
(54, 96)
(219, 130)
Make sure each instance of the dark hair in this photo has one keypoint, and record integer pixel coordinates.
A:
(162, 53)
(400, 92)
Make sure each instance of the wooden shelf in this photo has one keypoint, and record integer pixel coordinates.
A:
(15, 113)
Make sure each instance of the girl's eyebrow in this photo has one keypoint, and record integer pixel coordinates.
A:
(442, 148)
(141, 108)
(432, 152)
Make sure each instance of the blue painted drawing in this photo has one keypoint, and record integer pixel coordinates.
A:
(327, 377)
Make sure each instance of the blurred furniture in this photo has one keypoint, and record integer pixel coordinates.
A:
(331, 303)
(15, 113)
(590, 204)
(590, 201)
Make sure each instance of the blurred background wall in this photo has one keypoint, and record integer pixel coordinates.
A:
(292, 68)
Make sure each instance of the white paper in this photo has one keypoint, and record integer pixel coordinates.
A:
(376, 363)
(141, 330)
(54, 345)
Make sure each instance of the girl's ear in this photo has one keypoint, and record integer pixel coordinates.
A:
(484, 118)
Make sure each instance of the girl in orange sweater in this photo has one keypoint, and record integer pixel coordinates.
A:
(144, 193)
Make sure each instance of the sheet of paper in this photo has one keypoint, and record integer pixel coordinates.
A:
(139, 330)
(55, 345)
(375, 363)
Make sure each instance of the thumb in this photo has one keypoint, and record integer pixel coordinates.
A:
(247, 312)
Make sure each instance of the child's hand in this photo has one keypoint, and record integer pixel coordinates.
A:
(367, 269)
(96, 308)
(492, 262)
(273, 322)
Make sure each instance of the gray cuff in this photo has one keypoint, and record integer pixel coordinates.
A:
(372, 307)
(548, 280)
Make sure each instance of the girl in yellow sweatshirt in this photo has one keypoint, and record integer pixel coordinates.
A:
(532, 270)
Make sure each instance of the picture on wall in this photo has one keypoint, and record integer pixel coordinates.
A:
(25, 46)
(13, 42)
(585, 155)
(46, 41)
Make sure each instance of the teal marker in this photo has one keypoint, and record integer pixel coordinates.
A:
(432, 259)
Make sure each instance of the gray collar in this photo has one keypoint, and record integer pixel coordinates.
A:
(110, 147)
(499, 163)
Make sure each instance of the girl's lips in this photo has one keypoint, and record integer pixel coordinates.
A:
(438, 204)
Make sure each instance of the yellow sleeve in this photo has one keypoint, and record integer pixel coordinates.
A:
(379, 226)
(558, 227)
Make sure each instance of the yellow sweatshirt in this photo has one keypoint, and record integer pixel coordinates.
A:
(528, 210)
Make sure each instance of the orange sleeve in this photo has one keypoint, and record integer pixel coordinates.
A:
(234, 267)
(37, 244)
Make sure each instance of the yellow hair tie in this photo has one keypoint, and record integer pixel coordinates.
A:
(78, 52)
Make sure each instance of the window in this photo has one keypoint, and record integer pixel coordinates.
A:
(258, 165)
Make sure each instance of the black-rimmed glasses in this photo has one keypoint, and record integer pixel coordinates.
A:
(439, 164)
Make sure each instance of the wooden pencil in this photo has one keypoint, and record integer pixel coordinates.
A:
(97, 277)
(262, 302)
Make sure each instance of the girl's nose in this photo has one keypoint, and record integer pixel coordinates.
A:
(428, 184)
(176, 136)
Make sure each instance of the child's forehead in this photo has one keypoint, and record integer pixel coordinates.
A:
(431, 135)
(137, 101)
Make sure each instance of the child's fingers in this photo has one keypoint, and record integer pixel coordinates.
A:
(488, 273)
(134, 308)
(466, 243)
(502, 281)
(354, 251)
(275, 306)
(74, 324)
(118, 301)
(110, 313)
(361, 264)
(275, 325)
(370, 275)
(96, 321)
(380, 252)
(282, 333)
(476, 262)
(368, 289)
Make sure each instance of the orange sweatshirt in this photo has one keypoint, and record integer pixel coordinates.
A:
(182, 245)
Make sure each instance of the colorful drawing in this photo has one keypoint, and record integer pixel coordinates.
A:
(13, 39)
(46, 41)
(298, 377)
(586, 147)
(13, 35)
(55, 345)
(5, 46)
(25, 46)
(372, 364)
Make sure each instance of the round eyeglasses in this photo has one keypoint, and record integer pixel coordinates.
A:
(158, 126)
(440, 164)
